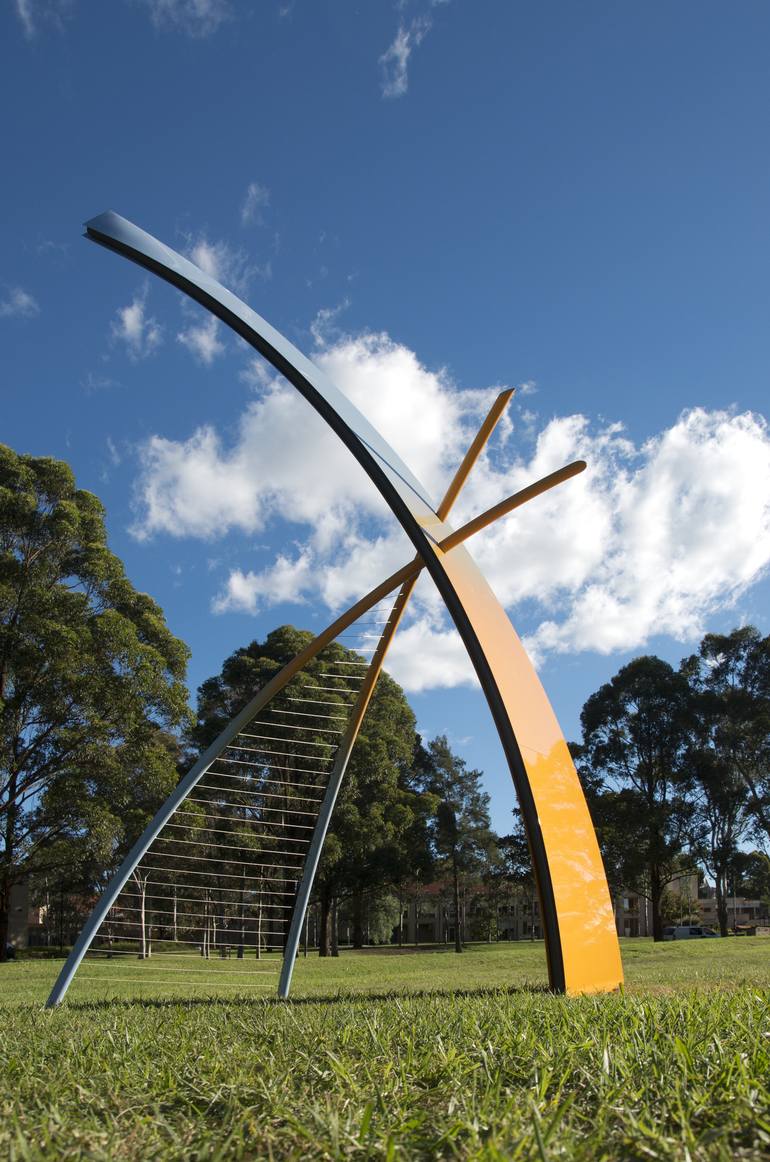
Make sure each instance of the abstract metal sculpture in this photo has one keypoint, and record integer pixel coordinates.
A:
(287, 814)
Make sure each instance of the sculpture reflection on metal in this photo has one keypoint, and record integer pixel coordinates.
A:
(581, 943)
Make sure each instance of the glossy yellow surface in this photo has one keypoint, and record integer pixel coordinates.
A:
(589, 942)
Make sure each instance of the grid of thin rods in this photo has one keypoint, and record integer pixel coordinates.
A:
(219, 880)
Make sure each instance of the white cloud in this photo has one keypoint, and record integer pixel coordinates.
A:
(324, 327)
(18, 304)
(113, 452)
(283, 461)
(94, 382)
(24, 12)
(197, 18)
(58, 249)
(141, 333)
(291, 578)
(688, 530)
(257, 373)
(650, 539)
(429, 656)
(256, 200)
(394, 62)
(32, 13)
(233, 268)
(202, 340)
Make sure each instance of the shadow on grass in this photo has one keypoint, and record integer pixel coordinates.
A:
(357, 998)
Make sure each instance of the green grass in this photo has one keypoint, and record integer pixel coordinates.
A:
(418, 1055)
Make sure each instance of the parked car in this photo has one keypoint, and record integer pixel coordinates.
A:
(687, 932)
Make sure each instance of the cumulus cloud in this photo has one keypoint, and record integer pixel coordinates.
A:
(202, 340)
(196, 18)
(394, 62)
(688, 530)
(652, 538)
(18, 304)
(428, 655)
(141, 333)
(256, 200)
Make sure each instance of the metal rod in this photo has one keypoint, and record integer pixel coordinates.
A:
(191, 871)
(211, 971)
(224, 846)
(510, 503)
(267, 892)
(262, 794)
(317, 729)
(220, 818)
(195, 900)
(336, 689)
(225, 831)
(220, 917)
(243, 791)
(314, 702)
(273, 767)
(224, 862)
(221, 932)
(293, 741)
(309, 714)
(163, 983)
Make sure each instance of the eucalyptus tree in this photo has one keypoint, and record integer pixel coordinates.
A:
(635, 735)
(379, 829)
(730, 678)
(517, 867)
(721, 818)
(370, 845)
(752, 875)
(91, 680)
(460, 828)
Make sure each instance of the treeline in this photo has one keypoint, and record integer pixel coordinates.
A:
(676, 768)
(95, 729)
(95, 732)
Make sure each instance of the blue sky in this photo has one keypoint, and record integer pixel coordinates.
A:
(435, 200)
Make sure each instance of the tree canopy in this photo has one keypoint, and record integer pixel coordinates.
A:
(91, 682)
(370, 845)
(460, 827)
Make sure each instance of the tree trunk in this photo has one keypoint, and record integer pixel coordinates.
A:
(656, 894)
(142, 888)
(358, 920)
(458, 933)
(720, 885)
(335, 949)
(324, 936)
(5, 916)
(6, 868)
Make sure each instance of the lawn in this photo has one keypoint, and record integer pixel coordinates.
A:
(387, 1055)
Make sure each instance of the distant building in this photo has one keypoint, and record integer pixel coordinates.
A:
(633, 912)
(510, 914)
(741, 911)
(18, 920)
